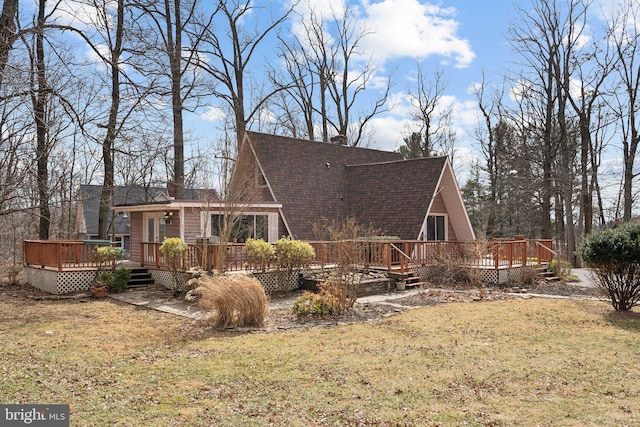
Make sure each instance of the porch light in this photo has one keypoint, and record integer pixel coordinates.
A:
(167, 217)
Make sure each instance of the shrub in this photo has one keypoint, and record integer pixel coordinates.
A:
(450, 270)
(560, 268)
(615, 255)
(115, 281)
(108, 254)
(259, 252)
(332, 299)
(528, 277)
(232, 301)
(174, 250)
(293, 254)
(310, 304)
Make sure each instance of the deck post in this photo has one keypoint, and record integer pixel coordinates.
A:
(59, 252)
(387, 255)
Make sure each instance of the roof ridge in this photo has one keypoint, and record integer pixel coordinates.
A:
(303, 140)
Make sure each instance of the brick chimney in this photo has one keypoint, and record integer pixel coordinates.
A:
(171, 188)
(339, 139)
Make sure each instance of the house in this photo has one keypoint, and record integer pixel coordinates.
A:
(290, 184)
(88, 205)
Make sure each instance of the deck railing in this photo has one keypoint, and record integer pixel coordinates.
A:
(199, 255)
(60, 254)
(397, 255)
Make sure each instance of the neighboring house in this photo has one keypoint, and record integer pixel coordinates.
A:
(298, 183)
(118, 224)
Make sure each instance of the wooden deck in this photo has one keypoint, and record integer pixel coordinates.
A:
(397, 255)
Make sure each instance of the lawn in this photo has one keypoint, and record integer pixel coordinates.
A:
(503, 363)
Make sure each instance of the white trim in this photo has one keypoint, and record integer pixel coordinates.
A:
(182, 225)
(286, 224)
(423, 232)
(156, 223)
(161, 207)
(437, 190)
(461, 200)
(448, 169)
(255, 157)
(272, 222)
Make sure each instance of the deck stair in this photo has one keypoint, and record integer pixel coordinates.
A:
(549, 276)
(140, 277)
(410, 279)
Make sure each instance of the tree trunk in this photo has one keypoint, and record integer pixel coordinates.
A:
(106, 198)
(42, 149)
(174, 50)
(7, 32)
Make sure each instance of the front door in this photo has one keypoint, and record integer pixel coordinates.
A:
(154, 232)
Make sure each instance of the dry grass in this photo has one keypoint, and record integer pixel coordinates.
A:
(506, 363)
(232, 301)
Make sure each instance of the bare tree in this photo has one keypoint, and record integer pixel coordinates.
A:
(592, 66)
(491, 138)
(431, 117)
(545, 38)
(115, 43)
(8, 33)
(349, 78)
(40, 92)
(625, 36)
(171, 38)
(328, 74)
(227, 51)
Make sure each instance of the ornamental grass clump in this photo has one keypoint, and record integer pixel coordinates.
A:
(615, 256)
(231, 301)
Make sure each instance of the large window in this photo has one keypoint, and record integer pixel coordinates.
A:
(436, 227)
(255, 226)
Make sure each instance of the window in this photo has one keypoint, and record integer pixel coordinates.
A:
(436, 227)
(255, 226)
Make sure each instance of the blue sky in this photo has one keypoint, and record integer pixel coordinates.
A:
(460, 38)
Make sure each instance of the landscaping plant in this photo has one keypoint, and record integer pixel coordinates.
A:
(174, 250)
(114, 281)
(108, 255)
(232, 300)
(560, 268)
(330, 300)
(615, 256)
(293, 254)
(338, 292)
(259, 252)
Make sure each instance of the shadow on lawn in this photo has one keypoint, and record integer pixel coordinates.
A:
(629, 320)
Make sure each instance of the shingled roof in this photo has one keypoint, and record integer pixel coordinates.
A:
(316, 180)
(394, 196)
(89, 198)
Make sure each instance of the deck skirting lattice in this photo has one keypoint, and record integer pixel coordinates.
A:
(59, 282)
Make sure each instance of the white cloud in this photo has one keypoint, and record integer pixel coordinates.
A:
(213, 114)
(407, 28)
(398, 28)
(81, 14)
(387, 132)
